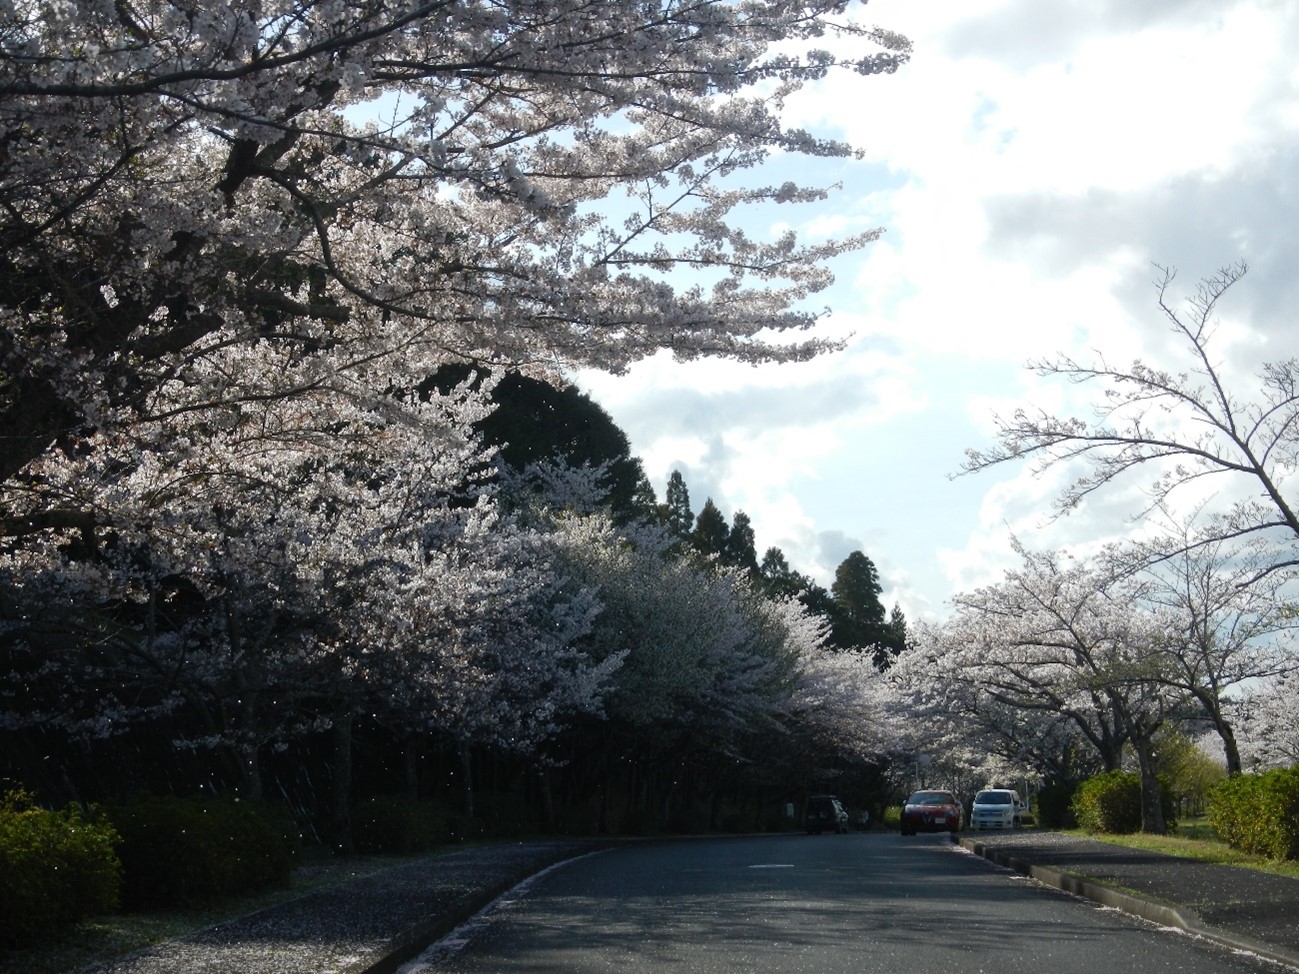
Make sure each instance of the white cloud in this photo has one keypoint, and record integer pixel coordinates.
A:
(1029, 165)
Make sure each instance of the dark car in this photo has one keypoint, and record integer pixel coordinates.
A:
(931, 811)
(824, 813)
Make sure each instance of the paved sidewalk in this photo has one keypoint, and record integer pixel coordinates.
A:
(370, 925)
(1242, 908)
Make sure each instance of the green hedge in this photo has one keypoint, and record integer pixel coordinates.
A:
(1258, 813)
(1054, 806)
(186, 851)
(55, 868)
(1110, 802)
(398, 825)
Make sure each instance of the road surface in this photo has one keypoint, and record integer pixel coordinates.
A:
(796, 904)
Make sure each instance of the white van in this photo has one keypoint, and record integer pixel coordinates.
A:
(997, 808)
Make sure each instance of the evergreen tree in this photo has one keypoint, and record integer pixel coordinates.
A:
(711, 532)
(535, 421)
(781, 580)
(676, 508)
(817, 601)
(857, 616)
(776, 574)
(741, 546)
(894, 641)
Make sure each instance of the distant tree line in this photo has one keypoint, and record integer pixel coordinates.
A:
(851, 606)
(525, 628)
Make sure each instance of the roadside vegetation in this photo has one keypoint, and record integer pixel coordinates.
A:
(1196, 839)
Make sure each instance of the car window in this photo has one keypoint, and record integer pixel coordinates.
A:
(992, 798)
(930, 798)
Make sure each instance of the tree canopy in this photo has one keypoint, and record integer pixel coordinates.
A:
(1182, 424)
(208, 208)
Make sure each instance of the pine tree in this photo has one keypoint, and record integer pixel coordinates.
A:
(741, 550)
(676, 508)
(711, 532)
(858, 614)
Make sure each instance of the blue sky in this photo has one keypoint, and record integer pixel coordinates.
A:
(1029, 166)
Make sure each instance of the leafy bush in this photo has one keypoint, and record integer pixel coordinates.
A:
(178, 850)
(398, 825)
(1258, 813)
(1053, 805)
(893, 817)
(55, 868)
(1190, 771)
(1111, 802)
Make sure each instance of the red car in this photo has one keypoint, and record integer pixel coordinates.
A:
(931, 811)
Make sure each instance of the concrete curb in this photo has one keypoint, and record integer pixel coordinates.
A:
(413, 941)
(1166, 915)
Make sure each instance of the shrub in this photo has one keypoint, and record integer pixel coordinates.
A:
(1053, 806)
(893, 817)
(1258, 813)
(185, 851)
(398, 825)
(1111, 802)
(55, 868)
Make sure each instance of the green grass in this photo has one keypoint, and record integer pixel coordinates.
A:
(1195, 839)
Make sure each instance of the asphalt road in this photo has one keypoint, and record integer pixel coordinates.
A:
(808, 905)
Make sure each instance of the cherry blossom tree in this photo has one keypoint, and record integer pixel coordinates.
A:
(1184, 426)
(236, 242)
(1226, 618)
(207, 208)
(1270, 732)
(973, 734)
(844, 704)
(275, 588)
(716, 679)
(691, 655)
(1064, 639)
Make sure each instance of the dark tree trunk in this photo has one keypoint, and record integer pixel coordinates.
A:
(547, 799)
(1230, 749)
(467, 779)
(341, 810)
(1152, 806)
(410, 753)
